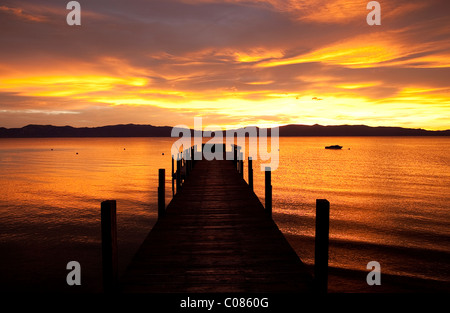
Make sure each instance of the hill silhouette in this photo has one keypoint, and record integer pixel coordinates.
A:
(133, 130)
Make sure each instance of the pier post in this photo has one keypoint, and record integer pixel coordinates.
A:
(178, 173)
(109, 245)
(188, 169)
(161, 192)
(172, 176)
(250, 172)
(189, 158)
(194, 151)
(268, 191)
(235, 155)
(238, 158)
(224, 151)
(321, 245)
(241, 164)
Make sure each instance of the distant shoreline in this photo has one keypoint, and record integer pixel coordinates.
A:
(133, 130)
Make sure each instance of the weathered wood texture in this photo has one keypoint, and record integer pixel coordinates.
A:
(215, 237)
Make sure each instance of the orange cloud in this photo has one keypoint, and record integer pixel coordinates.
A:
(383, 49)
(22, 15)
(257, 54)
(328, 11)
(360, 51)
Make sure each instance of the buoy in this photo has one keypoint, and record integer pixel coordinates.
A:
(76, 153)
(163, 153)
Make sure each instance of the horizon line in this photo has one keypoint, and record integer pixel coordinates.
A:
(237, 127)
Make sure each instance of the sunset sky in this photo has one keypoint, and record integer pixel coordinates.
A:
(232, 62)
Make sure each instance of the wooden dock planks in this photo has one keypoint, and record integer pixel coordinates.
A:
(215, 237)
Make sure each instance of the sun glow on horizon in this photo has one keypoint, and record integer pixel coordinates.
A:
(306, 107)
(257, 62)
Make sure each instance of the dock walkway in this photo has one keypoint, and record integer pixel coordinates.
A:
(215, 237)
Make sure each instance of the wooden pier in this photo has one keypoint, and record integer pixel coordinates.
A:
(215, 236)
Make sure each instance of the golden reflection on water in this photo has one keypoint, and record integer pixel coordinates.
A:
(72, 175)
(384, 192)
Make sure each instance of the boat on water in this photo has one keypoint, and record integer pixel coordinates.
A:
(335, 147)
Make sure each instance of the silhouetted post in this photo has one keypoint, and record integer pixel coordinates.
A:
(186, 154)
(109, 245)
(173, 171)
(178, 174)
(250, 172)
(241, 165)
(238, 160)
(181, 164)
(194, 151)
(268, 187)
(224, 151)
(182, 158)
(235, 154)
(161, 192)
(321, 245)
(189, 158)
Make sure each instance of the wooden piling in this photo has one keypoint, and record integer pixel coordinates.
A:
(186, 156)
(241, 165)
(268, 191)
(109, 245)
(161, 192)
(321, 245)
(250, 172)
(178, 174)
(189, 160)
(172, 176)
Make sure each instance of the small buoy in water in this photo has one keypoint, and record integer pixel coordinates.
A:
(163, 153)
(51, 149)
(124, 149)
(76, 153)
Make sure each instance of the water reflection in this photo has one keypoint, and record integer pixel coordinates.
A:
(389, 201)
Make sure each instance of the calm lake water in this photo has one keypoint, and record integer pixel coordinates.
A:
(389, 203)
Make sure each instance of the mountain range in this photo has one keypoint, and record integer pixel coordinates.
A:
(133, 130)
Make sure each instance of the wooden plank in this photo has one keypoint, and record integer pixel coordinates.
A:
(215, 237)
